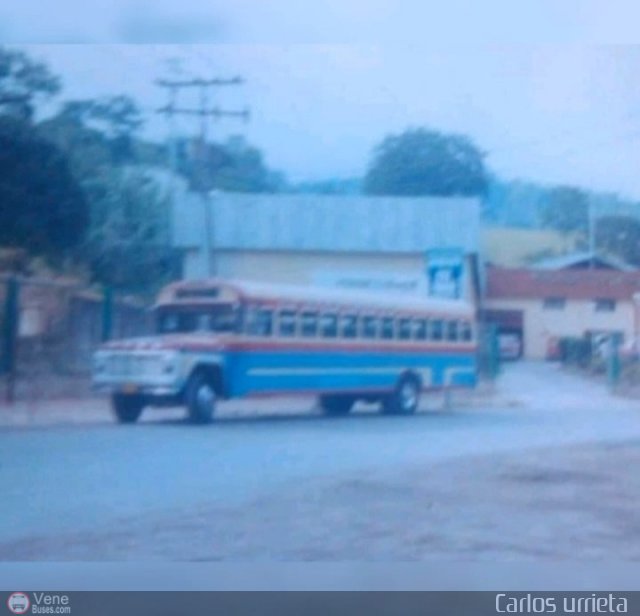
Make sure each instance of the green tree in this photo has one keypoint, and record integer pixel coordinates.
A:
(331, 186)
(566, 210)
(86, 148)
(426, 162)
(234, 166)
(24, 83)
(619, 236)
(116, 119)
(42, 208)
(128, 244)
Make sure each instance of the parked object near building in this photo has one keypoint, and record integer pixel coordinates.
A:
(544, 306)
(225, 339)
(509, 345)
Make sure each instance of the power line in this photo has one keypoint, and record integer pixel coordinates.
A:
(204, 111)
(199, 82)
(214, 112)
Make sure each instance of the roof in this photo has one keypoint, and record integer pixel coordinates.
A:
(506, 283)
(516, 247)
(586, 258)
(327, 222)
(318, 295)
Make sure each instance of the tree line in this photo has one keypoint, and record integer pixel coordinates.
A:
(83, 190)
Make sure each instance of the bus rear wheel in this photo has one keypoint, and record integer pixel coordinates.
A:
(201, 399)
(127, 408)
(405, 397)
(336, 406)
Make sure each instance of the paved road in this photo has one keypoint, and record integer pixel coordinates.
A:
(81, 477)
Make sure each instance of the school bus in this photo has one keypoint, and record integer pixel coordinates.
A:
(220, 339)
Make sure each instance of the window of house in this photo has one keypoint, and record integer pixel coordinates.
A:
(605, 304)
(287, 322)
(420, 329)
(404, 329)
(348, 325)
(437, 329)
(369, 327)
(452, 331)
(554, 303)
(309, 324)
(387, 328)
(328, 325)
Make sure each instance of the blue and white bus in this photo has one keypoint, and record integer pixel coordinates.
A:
(220, 339)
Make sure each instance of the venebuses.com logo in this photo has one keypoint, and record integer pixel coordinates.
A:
(19, 602)
(39, 603)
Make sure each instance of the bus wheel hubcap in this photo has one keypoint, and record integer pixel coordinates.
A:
(205, 396)
(408, 395)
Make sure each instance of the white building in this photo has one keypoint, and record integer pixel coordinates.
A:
(358, 242)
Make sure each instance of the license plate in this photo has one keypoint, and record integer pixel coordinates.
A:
(129, 388)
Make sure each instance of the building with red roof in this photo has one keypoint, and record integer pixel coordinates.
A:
(540, 306)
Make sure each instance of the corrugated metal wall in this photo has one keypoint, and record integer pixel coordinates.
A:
(327, 223)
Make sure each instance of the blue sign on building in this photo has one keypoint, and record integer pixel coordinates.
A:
(445, 272)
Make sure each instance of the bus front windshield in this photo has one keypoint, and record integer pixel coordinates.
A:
(219, 319)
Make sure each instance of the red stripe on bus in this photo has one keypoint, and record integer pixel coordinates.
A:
(269, 345)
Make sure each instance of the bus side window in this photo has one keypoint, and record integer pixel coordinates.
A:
(420, 329)
(436, 329)
(452, 331)
(251, 320)
(387, 328)
(309, 324)
(261, 322)
(404, 329)
(287, 323)
(329, 326)
(348, 326)
(465, 331)
(369, 327)
(203, 323)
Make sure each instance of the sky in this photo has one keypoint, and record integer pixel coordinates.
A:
(548, 90)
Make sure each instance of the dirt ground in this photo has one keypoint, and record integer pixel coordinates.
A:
(578, 503)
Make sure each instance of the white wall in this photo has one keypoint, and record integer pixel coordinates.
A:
(395, 271)
(577, 317)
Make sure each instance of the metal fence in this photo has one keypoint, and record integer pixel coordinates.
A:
(488, 351)
(49, 329)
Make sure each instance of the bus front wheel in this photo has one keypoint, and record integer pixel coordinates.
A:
(336, 406)
(201, 399)
(127, 408)
(405, 397)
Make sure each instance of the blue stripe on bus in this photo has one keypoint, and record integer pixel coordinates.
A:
(265, 371)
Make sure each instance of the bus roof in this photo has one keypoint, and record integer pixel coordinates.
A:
(217, 290)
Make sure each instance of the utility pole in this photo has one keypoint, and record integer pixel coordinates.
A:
(592, 232)
(204, 112)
